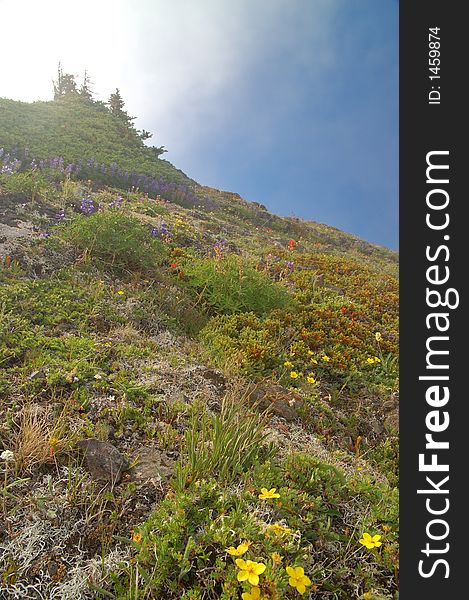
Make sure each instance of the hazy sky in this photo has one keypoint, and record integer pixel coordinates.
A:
(291, 103)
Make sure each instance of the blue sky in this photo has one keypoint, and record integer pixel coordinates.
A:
(291, 103)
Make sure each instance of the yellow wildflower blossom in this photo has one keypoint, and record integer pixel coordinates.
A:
(310, 379)
(254, 594)
(240, 550)
(266, 494)
(249, 570)
(279, 529)
(298, 579)
(294, 374)
(369, 541)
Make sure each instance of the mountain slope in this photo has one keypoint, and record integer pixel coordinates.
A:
(82, 131)
(199, 399)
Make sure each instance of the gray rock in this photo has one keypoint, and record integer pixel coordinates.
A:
(152, 464)
(103, 460)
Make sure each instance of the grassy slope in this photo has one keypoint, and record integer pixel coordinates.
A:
(107, 332)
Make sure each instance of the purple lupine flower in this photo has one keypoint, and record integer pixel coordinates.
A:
(116, 202)
(87, 206)
(220, 244)
(290, 265)
(6, 169)
(60, 216)
(161, 231)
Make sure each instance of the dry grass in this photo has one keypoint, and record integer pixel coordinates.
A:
(35, 438)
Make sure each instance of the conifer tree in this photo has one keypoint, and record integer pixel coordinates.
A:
(65, 84)
(116, 106)
(85, 90)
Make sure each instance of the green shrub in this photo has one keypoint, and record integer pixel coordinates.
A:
(230, 285)
(119, 242)
(30, 183)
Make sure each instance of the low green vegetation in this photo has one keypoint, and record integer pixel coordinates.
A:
(230, 285)
(249, 375)
(118, 242)
(78, 130)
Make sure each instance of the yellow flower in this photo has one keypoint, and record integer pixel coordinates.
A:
(240, 550)
(287, 363)
(325, 358)
(370, 360)
(370, 542)
(298, 579)
(254, 594)
(279, 529)
(310, 353)
(249, 570)
(294, 375)
(310, 379)
(266, 494)
(136, 537)
(378, 336)
(54, 442)
(314, 361)
(121, 293)
(377, 359)
(276, 557)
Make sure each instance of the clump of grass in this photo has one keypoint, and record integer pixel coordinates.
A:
(224, 445)
(35, 438)
(231, 285)
(117, 241)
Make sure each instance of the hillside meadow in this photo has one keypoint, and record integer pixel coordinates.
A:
(199, 399)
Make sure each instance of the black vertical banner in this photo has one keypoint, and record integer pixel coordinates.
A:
(434, 240)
